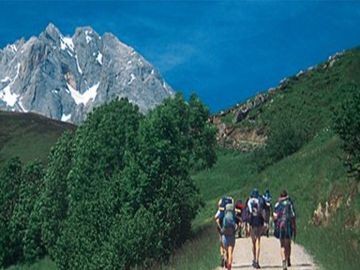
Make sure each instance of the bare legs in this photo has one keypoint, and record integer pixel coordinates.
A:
(285, 251)
(230, 252)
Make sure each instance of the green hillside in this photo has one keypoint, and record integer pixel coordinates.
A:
(29, 136)
(313, 175)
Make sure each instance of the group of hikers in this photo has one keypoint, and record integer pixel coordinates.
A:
(253, 219)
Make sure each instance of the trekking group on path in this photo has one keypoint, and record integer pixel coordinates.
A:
(254, 219)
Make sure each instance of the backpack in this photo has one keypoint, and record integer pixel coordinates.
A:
(238, 209)
(256, 207)
(256, 214)
(228, 223)
(225, 201)
(285, 215)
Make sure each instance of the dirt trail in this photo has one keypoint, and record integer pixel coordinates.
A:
(270, 255)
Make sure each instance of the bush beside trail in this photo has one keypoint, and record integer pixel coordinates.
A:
(117, 193)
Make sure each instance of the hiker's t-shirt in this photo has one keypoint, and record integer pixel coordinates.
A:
(255, 210)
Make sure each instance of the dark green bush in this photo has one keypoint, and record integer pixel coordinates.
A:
(286, 136)
(347, 126)
(10, 181)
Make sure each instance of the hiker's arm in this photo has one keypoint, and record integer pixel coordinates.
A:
(218, 224)
(293, 222)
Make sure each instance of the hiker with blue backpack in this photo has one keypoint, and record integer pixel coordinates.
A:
(228, 231)
(285, 226)
(219, 218)
(256, 220)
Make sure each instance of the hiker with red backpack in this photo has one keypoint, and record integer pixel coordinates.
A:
(285, 226)
(239, 207)
(219, 218)
(228, 231)
(256, 220)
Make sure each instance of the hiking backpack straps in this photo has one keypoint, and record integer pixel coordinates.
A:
(284, 218)
(229, 224)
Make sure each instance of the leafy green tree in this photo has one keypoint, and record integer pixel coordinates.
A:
(203, 135)
(53, 203)
(100, 147)
(10, 181)
(347, 126)
(29, 191)
(118, 193)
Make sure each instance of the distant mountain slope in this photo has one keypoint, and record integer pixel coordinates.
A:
(27, 135)
(308, 96)
(65, 77)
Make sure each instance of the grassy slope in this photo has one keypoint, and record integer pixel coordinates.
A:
(29, 136)
(310, 98)
(310, 175)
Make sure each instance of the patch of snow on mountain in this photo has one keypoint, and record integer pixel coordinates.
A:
(13, 48)
(66, 42)
(22, 107)
(66, 117)
(84, 98)
(6, 95)
(132, 78)
(77, 64)
(99, 58)
(6, 79)
(87, 37)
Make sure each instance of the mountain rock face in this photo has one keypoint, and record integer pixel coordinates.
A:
(66, 77)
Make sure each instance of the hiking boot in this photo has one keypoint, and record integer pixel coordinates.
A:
(222, 261)
(288, 262)
(284, 265)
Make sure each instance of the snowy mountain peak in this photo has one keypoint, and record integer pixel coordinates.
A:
(65, 77)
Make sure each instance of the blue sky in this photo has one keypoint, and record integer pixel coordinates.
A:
(225, 51)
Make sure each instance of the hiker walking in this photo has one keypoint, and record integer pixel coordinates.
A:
(285, 226)
(267, 210)
(256, 221)
(239, 207)
(228, 231)
(245, 216)
(219, 217)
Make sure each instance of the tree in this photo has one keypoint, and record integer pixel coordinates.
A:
(101, 144)
(203, 135)
(30, 189)
(347, 126)
(53, 202)
(10, 180)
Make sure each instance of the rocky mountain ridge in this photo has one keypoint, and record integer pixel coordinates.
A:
(64, 77)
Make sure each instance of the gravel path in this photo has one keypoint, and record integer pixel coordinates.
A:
(270, 255)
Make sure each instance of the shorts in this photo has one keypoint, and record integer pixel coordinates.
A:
(283, 234)
(256, 232)
(228, 240)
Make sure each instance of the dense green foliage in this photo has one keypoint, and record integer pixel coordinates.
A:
(10, 181)
(347, 125)
(116, 193)
(286, 136)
